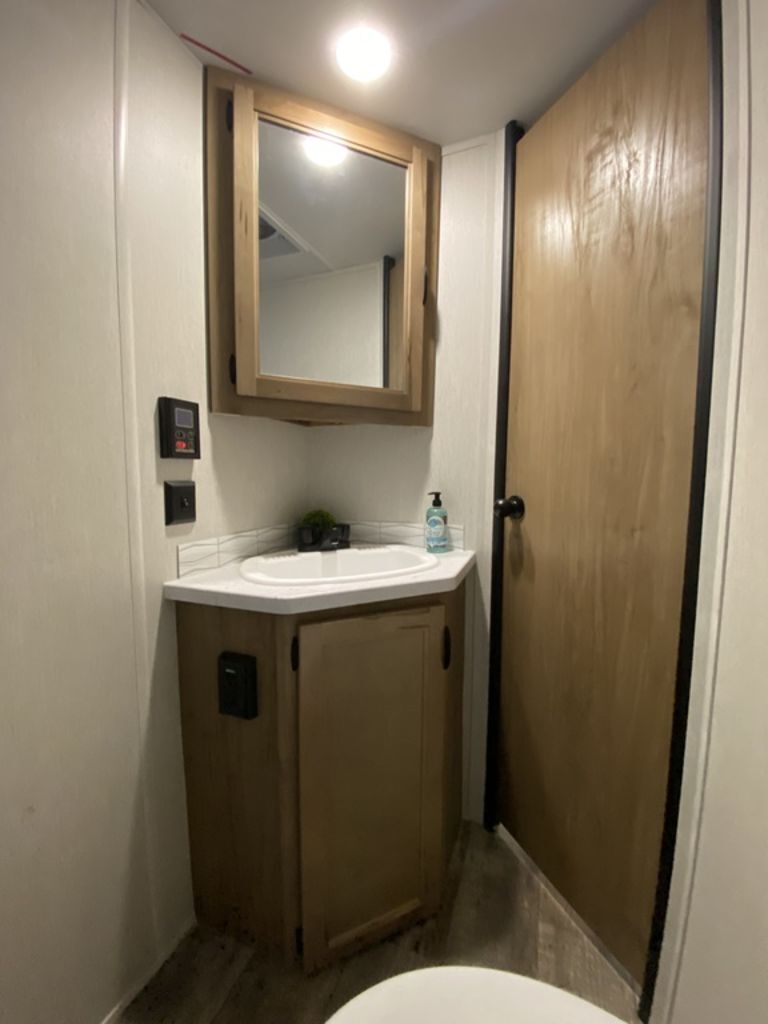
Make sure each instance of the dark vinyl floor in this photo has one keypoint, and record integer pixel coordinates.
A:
(497, 914)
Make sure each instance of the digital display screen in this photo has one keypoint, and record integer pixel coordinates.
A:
(184, 417)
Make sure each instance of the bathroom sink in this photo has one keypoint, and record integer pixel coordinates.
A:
(307, 568)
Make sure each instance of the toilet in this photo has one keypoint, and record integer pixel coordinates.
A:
(467, 995)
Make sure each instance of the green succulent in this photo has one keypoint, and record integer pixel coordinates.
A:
(319, 518)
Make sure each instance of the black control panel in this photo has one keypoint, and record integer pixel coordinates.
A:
(179, 428)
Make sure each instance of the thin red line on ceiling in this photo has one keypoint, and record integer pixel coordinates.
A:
(209, 49)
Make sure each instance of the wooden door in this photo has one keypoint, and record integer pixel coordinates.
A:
(608, 264)
(371, 732)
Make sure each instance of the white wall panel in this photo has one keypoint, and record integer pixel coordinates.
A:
(327, 327)
(76, 922)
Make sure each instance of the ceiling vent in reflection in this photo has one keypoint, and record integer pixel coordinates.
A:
(273, 242)
(266, 230)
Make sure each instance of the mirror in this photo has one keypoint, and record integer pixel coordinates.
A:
(331, 261)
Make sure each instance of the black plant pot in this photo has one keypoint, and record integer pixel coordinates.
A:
(323, 538)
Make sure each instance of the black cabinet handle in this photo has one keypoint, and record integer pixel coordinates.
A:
(512, 507)
(446, 656)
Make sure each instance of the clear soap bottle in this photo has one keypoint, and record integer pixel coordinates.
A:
(436, 532)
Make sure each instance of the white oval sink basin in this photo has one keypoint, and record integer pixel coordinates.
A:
(308, 568)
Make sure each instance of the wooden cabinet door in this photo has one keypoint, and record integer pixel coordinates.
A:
(371, 733)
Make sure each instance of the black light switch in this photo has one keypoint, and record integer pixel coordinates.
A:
(180, 505)
(238, 689)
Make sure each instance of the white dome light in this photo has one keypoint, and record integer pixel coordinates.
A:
(363, 53)
(324, 153)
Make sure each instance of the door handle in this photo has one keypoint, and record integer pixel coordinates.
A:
(512, 508)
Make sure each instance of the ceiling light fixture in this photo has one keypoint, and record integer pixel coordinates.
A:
(324, 153)
(363, 53)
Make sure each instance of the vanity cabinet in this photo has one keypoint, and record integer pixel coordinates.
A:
(327, 821)
(322, 242)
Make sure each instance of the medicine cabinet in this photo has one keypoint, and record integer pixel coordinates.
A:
(322, 260)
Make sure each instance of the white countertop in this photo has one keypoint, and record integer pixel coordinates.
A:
(226, 588)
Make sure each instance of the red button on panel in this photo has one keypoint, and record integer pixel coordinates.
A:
(181, 444)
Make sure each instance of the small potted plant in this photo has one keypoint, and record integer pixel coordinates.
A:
(319, 531)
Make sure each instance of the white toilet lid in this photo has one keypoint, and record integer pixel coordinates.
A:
(467, 995)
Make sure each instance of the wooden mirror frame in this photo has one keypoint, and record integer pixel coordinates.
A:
(233, 273)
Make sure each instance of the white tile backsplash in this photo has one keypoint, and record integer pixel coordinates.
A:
(273, 538)
(234, 547)
(402, 533)
(365, 533)
(456, 537)
(413, 534)
(197, 556)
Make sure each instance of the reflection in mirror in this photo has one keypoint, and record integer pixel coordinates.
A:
(331, 258)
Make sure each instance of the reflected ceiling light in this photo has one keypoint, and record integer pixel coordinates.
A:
(363, 53)
(324, 153)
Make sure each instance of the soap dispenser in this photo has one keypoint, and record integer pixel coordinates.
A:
(436, 532)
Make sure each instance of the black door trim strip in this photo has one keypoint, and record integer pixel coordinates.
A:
(512, 135)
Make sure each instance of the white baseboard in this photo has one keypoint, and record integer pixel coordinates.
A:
(147, 976)
(509, 840)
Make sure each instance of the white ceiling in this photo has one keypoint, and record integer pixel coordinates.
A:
(462, 67)
(328, 209)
